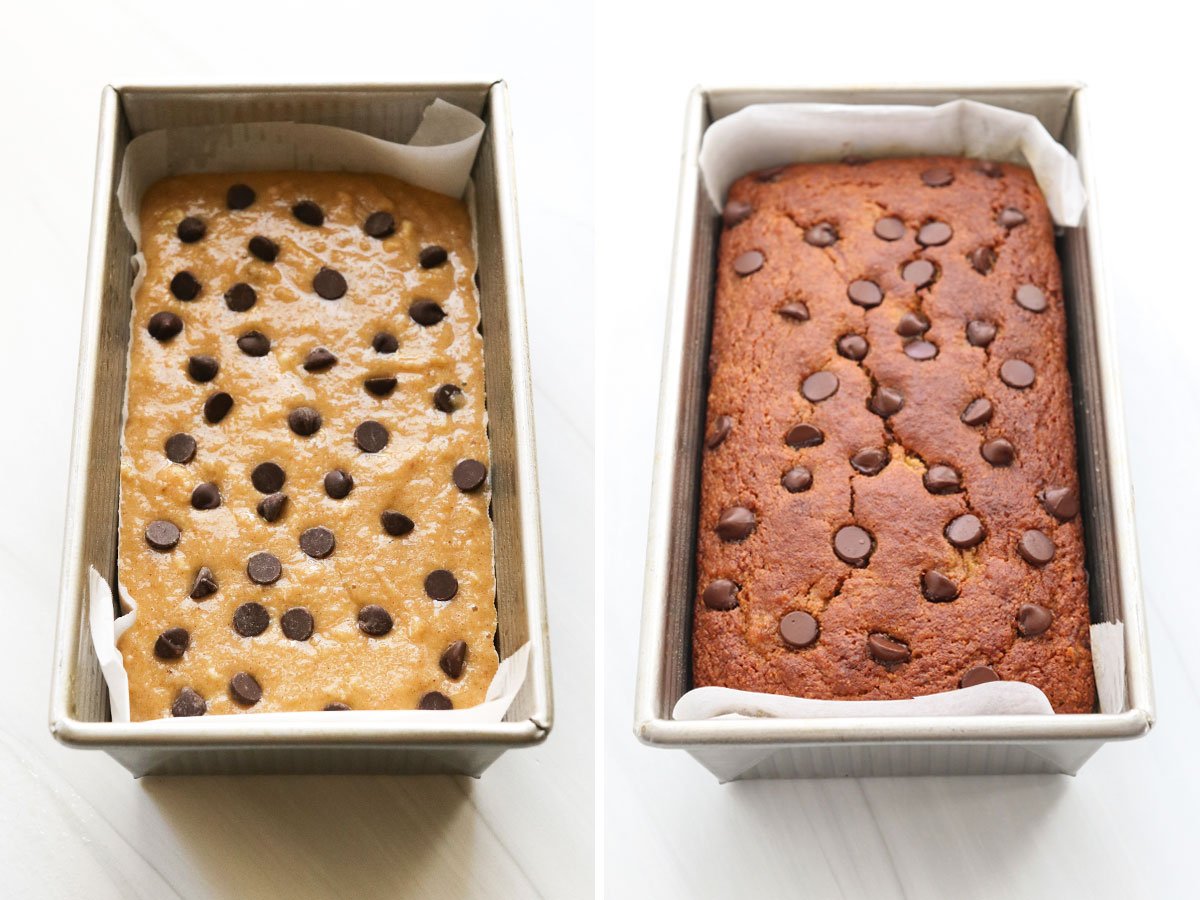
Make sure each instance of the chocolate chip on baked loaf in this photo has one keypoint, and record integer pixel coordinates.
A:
(799, 630)
(853, 545)
(748, 263)
(721, 595)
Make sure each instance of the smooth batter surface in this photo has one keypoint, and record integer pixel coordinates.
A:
(412, 475)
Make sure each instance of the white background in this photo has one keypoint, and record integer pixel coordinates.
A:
(1126, 826)
(74, 824)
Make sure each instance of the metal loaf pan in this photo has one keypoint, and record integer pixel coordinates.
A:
(248, 744)
(776, 748)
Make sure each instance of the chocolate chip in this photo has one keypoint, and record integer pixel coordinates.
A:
(385, 343)
(1016, 373)
(978, 412)
(799, 630)
(1033, 620)
(245, 689)
(1060, 502)
(190, 230)
(748, 263)
(162, 535)
(736, 212)
(870, 460)
(804, 435)
(180, 448)
(374, 620)
(823, 234)
(919, 273)
(204, 585)
(309, 213)
(206, 496)
(264, 248)
(819, 386)
(991, 169)
(172, 643)
(164, 325)
(469, 475)
(239, 196)
(449, 398)
(942, 479)
(998, 451)
(980, 333)
(889, 228)
(329, 283)
(263, 568)
(380, 225)
(912, 324)
(885, 649)
(764, 176)
(1035, 547)
(920, 350)
(188, 703)
(432, 256)
(937, 588)
(1010, 217)
(318, 360)
(1031, 297)
(297, 624)
(722, 425)
(317, 542)
(202, 368)
(370, 436)
(453, 658)
(336, 707)
(864, 293)
(982, 259)
(937, 176)
(217, 407)
(886, 402)
(185, 286)
(304, 421)
(934, 234)
(721, 595)
(254, 343)
(251, 619)
(338, 484)
(241, 297)
(965, 531)
(441, 585)
(380, 385)
(796, 311)
(271, 506)
(426, 313)
(395, 523)
(736, 523)
(796, 479)
(978, 675)
(268, 477)
(434, 700)
(853, 346)
(853, 545)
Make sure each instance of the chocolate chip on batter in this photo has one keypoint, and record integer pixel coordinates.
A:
(982, 259)
(1010, 217)
(380, 385)
(336, 707)
(799, 630)
(251, 619)
(1035, 547)
(164, 325)
(998, 451)
(380, 225)
(912, 324)
(338, 484)
(797, 479)
(297, 624)
(206, 496)
(263, 568)
(887, 650)
(1030, 297)
(264, 248)
(942, 479)
(886, 401)
(432, 256)
(853, 545)
(853, 346)
(180, 448)
(889, 228)
(426, 313)
(919, 273)
(819, 386)
(172, 643)
(188, 703)
(217, 407)
(1060, 502)
(162, 535)
(245, 689)
(190, 230)
(965, 531)
(870, 460)
(921, 351)
(978, 675)
(978, 412)
(268, 477)
(937, 176)
(254, 343)
(796, 311)
(1016, 373)
(370, 436)
(395, 523)
(317, 542)
(239, 196)
(469, 475)
(937, 588)
(271, 506)
(441, 585)
(748, 263)
(804, 435)
(318, 359)
(934, 234)
(736, 523)
(374, 620)
(202, 368)
(204, 585)
(309, 213)
(721, 595)
(980, 333)
(185, 286)
(722, 425)
(453, 658)
(736, 212)
(385, 343)
(329, 283)
(449, 398)
(241, 297)
(1033, 620)
(864, 293)
(435, 700)
(304, 421)
(823, 234)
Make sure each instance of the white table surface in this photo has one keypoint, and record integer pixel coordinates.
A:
(75, 824)
(1126, 826)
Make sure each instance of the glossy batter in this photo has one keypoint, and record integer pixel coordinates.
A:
(378, 275)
